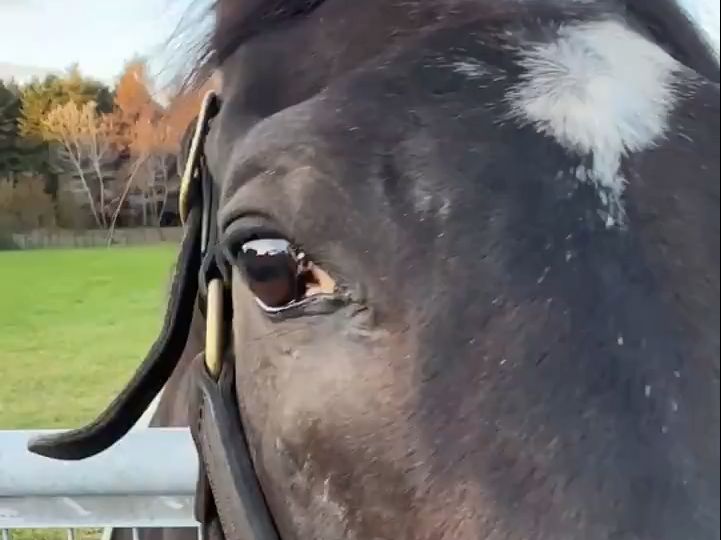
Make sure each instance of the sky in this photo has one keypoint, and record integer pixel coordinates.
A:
(101, 35)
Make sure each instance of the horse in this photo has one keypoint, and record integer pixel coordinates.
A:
(471, 249)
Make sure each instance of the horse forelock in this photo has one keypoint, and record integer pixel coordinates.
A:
(668, 21)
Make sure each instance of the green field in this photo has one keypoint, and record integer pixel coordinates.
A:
(73, 326)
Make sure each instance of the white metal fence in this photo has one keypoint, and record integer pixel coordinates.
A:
(146, 480)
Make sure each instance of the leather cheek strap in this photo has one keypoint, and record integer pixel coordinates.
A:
(228, 488)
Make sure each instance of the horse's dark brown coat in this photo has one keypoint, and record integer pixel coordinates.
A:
(510, 368)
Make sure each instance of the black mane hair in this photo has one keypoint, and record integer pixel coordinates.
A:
(237, 21)
(233, 23)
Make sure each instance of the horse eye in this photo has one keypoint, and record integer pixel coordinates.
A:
(279, 275)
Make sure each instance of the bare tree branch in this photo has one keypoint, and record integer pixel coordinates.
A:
(84, 138)
(128, 184)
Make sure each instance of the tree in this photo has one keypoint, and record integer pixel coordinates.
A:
(85, 142)
(133, 91)
(24, 204)
(9, 111)
(151, 136)
(140, 137)
(17, 155)
(167, 136)
(40, 97)
(82, 89)
(133, 100)
(37, 99)
(165, 146)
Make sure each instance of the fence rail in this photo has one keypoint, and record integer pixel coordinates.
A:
(59, 238)
(146, 480)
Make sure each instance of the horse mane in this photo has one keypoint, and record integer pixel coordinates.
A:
(239, 20)
(232, 22)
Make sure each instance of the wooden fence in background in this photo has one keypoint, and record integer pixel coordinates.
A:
(62, 238)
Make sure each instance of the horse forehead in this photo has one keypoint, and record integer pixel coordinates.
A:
(599, 88)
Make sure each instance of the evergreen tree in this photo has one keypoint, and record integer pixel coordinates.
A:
(10, 153)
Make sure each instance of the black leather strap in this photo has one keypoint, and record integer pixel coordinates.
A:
(228, 476)
(128, 406)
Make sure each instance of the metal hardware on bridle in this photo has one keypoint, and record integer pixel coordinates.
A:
(230, 503)
(194, 179)
(228, 489)
(214, 327)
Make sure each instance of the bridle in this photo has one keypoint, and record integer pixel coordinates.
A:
(229, 501)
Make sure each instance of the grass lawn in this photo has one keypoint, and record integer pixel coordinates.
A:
(74, 324)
